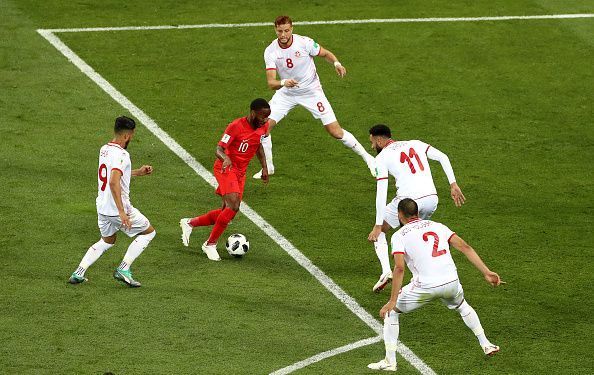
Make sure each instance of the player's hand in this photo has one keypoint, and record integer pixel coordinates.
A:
(265, 176)
(457, 196)
(146, 169)
(493, 278)
(226, 164)
(375, 232)
(387, 308)
(291, 83)
(341, 71)
(125, 220)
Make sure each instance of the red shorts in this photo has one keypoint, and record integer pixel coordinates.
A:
(229, 182)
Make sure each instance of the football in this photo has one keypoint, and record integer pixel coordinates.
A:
(237, 245)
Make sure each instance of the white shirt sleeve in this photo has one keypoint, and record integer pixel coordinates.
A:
(448, 233)
(119, 161)
(312, 47)
(269, 60)
(397, 245)
(435, 154)
(381, 191)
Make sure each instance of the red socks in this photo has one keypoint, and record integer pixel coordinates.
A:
(207, 219)
(220, 225)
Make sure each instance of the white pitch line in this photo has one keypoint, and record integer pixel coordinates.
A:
(284, 243)
(332, 22)
(327, 354)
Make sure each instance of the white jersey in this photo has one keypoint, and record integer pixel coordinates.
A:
(113, 156)
(296, 62)
(426, 249)
(407, 162)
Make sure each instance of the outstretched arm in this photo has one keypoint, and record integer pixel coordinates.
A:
(142, 171)
(455, 191)
(220, 152)
(116, 192)
(491, 277)
(380, 206)
(275, 84)
(397, 277)
(262, 159)
(331, 58)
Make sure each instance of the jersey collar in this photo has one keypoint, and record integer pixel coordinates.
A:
(115, 144)
(413, 220)
(288, 46)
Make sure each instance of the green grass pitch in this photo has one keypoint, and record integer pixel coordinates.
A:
(510, 102)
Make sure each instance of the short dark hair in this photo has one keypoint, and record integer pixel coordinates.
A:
(381, 130)
(283, 20)
(408, 207)
(124, 123)
(258, 104)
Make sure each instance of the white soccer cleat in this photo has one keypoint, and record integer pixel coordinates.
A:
(370, 160)
(258, 176)
(210, 251)
(384, 280)
(490, 350)
(383, 365)
(186, 231)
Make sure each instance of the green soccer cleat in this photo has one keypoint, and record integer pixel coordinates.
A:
(126, 278)
(75, 279)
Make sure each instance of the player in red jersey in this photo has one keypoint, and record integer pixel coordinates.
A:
(240, 142)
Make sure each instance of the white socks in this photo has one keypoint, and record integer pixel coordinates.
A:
(267, 146)
(351, 142)
(381, 250)
(135, 249)
(471, 319)
(94, 252)
(391, 332)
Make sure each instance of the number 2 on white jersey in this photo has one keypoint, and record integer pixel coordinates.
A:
(407, 158)
(435, 252)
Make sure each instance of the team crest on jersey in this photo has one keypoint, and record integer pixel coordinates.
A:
(297, 54)
(226, 138)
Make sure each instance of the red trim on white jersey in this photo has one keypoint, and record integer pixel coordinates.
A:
(117, 169)
(270, 68)
(398, 252)
(413, 220)
(390, 141)
(383, 178)
(451, 237)
(288, 45)
(428, 147)
(114, 144)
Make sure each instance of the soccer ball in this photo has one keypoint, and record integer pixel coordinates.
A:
(237, 245)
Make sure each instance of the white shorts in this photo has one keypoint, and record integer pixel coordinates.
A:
(314, 101)
(412, 297)
(109, 225)
(427, 206)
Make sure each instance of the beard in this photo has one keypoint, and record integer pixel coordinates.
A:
(378, 149)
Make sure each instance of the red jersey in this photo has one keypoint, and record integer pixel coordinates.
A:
(241, 142)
